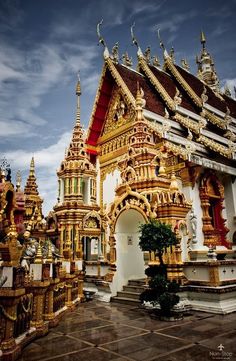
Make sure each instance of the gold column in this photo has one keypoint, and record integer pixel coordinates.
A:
(62, 228)
(9, 300)
(39, 289)
(49, 315)
(80, 290)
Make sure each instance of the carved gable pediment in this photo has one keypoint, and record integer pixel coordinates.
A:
(118, 114)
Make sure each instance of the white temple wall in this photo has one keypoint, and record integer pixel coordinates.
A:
(230, 206)
(129, 257)
(109, 185)
(98, 179)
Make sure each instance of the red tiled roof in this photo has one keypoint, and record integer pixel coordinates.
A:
(198, 88)
(154, 102)
(170, 86)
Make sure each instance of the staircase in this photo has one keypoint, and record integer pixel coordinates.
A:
(131, 292)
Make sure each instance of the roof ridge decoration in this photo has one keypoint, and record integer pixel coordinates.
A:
(102, 41)
(111, 61)
(200, 102)
(154, 81)
(123, 87)
(162, 46)
(135, 42)
(183, 82)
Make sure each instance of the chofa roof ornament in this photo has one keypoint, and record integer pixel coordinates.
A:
(101, 40)
(162, 46)
(135, 42)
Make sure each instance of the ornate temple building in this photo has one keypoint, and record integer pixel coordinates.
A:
(161, 143)
(164, 144)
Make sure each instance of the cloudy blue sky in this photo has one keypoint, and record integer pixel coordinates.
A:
(43, 44)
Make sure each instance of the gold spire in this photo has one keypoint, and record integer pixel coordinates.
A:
(39, 257)
(206, 67)
(18, 180)
(32, 167)
(49, 255)
(78, 88)
(203, 39)
(78, 93)
(31, 185)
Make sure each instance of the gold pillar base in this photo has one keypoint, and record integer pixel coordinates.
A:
(10, 352)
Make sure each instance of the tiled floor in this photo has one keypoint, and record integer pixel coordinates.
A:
(98, 331)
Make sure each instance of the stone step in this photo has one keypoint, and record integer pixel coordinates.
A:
(141, 282)
(132, 295)
(138, 289)
(127, 301)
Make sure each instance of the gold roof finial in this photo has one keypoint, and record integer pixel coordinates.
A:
(32, 166)
(78, 87)
(162, 46)
(18, 180)
(39, 257)
(156, 61)
(115, 53)
(147, 54)
(135, 42)
(203, 39)
(102, 41)
(126, 59)
(49, 255)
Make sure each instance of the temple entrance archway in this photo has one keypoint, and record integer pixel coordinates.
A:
(129, 257)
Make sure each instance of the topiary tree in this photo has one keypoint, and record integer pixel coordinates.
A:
(156, 237)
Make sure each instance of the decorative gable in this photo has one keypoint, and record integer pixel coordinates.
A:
(118, 114)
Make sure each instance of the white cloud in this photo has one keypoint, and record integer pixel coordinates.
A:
(173, 22)
(47, 161)
(49, 157)
(26, 76)
(15, 128)
(231, 84)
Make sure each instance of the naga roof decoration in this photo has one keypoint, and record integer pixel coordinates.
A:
(172, 94)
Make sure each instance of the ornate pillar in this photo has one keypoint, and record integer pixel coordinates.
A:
(39, 289)
(62, 229)
(49, 315)
(9, 300)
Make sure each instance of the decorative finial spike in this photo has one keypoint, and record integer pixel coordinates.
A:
(160, 40)
(203, 39)
(78, 86)
(135, 42)
(32, 166)
(18, 180)
(102, 41)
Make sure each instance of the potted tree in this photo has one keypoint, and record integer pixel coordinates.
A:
(156, 237)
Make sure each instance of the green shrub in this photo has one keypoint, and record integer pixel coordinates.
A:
(167, 301)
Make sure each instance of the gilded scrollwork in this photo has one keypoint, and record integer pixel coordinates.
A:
(118, 114)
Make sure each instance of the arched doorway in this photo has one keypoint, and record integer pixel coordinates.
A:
(129, 257)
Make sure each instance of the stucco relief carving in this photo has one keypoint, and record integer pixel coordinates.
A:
(118, 114)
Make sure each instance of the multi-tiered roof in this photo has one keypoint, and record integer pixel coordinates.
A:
(201, 118)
